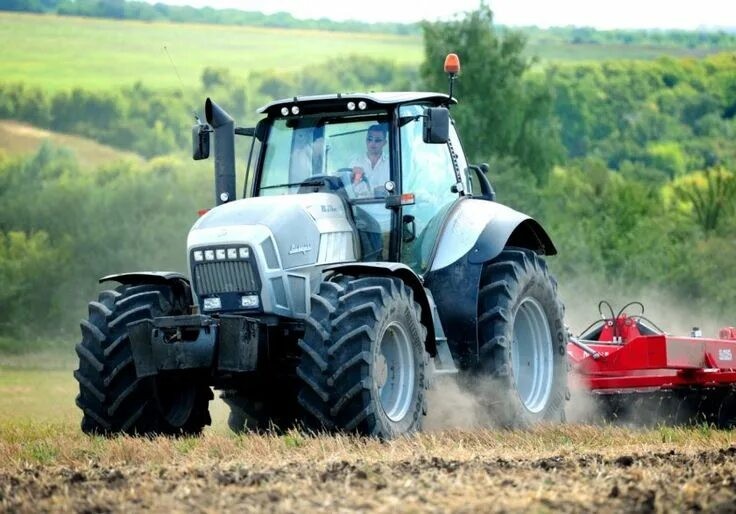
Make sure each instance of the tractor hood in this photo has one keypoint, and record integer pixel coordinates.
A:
(303, 229)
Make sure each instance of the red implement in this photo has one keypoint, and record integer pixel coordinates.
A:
(623, 357)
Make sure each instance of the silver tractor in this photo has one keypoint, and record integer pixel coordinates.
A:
(330, 297)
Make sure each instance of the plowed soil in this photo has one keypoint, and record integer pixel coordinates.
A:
(553, 469)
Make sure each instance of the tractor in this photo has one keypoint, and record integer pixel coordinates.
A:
(329, 297)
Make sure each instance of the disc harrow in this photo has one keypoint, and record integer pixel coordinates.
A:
(635, 373)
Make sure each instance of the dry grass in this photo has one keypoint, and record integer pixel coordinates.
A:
(20, 138)
(48, 465)
(29, 443)
(54, 468)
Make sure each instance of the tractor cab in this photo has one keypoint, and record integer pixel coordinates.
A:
(394, 159)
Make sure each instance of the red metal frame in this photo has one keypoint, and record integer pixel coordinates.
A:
(624, 359)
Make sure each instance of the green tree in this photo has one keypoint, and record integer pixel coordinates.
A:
(710, 195)
(499, 112)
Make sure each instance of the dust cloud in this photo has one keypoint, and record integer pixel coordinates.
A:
(458, 402)
(675, 316)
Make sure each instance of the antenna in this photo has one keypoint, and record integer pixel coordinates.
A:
(181, 83)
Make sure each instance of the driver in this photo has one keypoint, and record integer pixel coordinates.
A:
(371, 169)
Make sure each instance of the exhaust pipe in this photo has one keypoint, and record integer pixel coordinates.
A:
(224, 127)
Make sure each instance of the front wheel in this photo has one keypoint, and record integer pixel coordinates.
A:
(113, 399)
(522, 358)
(363, 367)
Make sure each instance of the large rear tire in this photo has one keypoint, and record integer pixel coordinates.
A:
(112, 397)
(363, 364)
(522, 341)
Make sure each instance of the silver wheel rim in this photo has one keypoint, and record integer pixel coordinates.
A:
(531, 355)
(394, 372)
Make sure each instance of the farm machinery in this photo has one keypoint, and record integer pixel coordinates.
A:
(637, 374)
(366, 258)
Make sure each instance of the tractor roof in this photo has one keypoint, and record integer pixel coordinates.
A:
(338, 102)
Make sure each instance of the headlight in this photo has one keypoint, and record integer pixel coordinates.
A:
(213, 303)
(249, 301)
(198, 256)
(244, 253)
(209, 255)
(232, 253)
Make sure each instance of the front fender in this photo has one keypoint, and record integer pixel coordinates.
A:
(146, 277)
(480, 229)
(178, 283)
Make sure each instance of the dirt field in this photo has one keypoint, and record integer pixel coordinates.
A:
(48, 468)
(48, 465)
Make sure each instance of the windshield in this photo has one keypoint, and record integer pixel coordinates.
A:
(349, 155)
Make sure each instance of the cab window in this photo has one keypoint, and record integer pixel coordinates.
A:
(428, 173)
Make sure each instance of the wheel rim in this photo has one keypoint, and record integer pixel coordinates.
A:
(531, 355)
(394, 372)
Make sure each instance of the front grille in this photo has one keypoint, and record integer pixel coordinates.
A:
(225, 277)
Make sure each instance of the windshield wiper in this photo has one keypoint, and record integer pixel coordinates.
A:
(307, 182)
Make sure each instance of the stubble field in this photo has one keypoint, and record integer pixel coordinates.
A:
(47, 465)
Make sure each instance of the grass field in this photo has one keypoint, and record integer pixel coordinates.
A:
(20, 138)
(56, 53)
(62, 52)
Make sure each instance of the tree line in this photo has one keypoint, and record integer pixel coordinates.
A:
(630, 166)
(144, 11)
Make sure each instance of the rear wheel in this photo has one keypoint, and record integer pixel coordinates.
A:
(112, 397)
(522, 340)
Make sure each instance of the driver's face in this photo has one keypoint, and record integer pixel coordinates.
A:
(375, 142)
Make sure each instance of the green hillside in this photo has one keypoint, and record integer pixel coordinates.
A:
(20, 138)
(61, 52)
(55, 52)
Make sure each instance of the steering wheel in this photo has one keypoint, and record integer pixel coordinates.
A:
(321, 184)
(346, 175)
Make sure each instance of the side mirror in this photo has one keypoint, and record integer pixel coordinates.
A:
(200, 142)
(437, 125)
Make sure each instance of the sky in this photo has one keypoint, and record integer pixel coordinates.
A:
(679, 14)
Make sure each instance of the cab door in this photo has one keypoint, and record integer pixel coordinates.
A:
(428, 172)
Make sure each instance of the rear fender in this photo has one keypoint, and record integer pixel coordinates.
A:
(479, 230)
(406, 275)
(476, 231)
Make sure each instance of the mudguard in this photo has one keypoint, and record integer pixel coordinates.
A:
(178, 282)
(474, 232)
(147, 277)
(481, 229)
(409, 277)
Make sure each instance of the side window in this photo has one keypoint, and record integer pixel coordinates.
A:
(428, 173)
(276, 163)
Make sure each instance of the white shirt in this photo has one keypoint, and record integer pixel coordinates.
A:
(377, 174)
